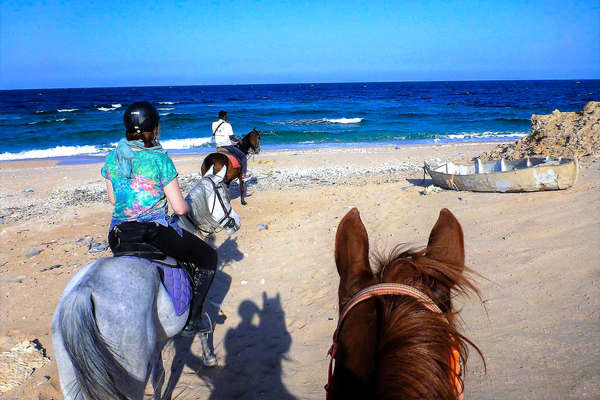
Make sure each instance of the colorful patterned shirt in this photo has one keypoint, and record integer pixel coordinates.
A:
(140, 197)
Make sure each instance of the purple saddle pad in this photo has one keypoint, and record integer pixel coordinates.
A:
(178, 286)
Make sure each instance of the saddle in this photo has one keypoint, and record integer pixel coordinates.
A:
(233, 159)
(175, 275)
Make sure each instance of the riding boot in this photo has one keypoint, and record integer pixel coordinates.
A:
(201, 279)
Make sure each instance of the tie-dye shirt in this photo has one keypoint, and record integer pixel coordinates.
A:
(142, 196)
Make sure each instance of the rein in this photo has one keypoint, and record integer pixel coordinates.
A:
(394, 289)
(248, 149)
(226, 210)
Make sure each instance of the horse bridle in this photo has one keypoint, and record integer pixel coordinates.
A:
(250, 147)
(227, 210)
(393, 289)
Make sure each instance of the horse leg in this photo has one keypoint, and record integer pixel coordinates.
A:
(158, 371)
(241, 180)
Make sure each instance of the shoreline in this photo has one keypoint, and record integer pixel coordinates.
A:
(91, 158)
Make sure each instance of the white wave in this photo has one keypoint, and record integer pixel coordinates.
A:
(59, 151)
(165, 108)
(67, 109)
(343, 120)
(168, 102)
(487, 134)
(106, 108)
(40, 111)
(320, 121)
(177, 144)
(164, 114)
(116, 105)
(46, 121)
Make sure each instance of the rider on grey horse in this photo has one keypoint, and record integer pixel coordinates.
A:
(140, 180)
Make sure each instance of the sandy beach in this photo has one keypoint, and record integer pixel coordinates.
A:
(537, 254)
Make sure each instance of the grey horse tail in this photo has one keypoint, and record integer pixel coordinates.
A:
(94, 363)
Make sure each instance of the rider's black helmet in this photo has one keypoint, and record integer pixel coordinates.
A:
(141, 116)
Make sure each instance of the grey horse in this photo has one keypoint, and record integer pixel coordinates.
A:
(115, 316)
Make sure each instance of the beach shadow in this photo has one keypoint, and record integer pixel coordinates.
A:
(252, 368)
(255, 351)
(234, 187)
(421, 182)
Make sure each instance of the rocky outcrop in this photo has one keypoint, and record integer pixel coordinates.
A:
(19, 363)
(560, 134)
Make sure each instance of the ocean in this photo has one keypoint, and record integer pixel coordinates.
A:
(46, 123)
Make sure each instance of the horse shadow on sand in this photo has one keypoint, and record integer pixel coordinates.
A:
(234, 187)
(255, 349)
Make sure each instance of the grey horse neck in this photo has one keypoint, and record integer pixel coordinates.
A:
(200, 209)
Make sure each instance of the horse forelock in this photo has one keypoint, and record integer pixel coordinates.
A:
(412, 355)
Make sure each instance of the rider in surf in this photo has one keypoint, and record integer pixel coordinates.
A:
(140, 180)
(223, 133)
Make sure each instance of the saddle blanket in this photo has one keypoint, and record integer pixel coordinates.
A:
(235, 163)
(175, 282)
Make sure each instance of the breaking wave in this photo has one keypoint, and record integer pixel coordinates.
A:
(320, 121)
(59, 151)
(180, 144)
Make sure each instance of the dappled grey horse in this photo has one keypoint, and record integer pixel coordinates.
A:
(115, 315)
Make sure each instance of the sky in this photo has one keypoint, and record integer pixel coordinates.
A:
(51, 44)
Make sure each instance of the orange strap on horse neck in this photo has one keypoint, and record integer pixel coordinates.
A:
(394, 289)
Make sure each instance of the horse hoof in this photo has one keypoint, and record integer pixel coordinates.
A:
(209, 361)
(208, 357)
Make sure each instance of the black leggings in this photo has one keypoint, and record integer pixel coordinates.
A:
(188, 248)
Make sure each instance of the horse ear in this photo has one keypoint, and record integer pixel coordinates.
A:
(446, 241)
(352, 254)
(221, 174)
(209, 171)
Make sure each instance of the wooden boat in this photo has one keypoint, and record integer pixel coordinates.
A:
(524, 175)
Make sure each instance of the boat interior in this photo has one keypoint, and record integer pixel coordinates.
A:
(502, 165)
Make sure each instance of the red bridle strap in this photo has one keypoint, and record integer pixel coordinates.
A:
(380, 289)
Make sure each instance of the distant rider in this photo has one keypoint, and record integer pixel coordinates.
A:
(223, 133)
(140, 179)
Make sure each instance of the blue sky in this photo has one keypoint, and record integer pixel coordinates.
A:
(46, 44)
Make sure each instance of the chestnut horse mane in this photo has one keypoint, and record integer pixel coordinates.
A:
(413, 357)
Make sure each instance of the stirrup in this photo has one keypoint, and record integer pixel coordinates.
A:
(194, 328)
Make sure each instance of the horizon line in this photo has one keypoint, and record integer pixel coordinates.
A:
(305, 83)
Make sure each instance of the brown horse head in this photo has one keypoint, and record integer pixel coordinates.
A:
(250, 141)
(393, 347)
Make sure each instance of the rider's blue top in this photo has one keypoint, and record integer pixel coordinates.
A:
(141, 195)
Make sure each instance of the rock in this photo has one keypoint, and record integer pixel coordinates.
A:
(32, 252)
(51, 268)
(430, 189)
(19, 363)
(96, 247)
(560, 134)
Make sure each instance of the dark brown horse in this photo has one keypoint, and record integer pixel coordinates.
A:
(250, 143)
(399, 341)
